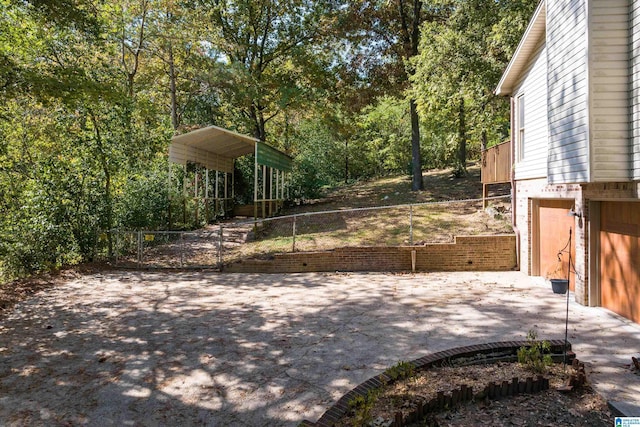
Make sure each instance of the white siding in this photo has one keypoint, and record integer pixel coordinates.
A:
(534, 87)
(609, 94)
(568, 156)
(635, 88)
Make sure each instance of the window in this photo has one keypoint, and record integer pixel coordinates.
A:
(520, 126)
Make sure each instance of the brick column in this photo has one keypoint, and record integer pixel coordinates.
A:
(581, 263)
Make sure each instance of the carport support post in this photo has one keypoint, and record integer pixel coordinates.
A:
(220, 244)
(264, 191)
(255, 192)
(226, 194)
(206, 195)
(195, 197)
(270, 191)
(217, 194)
(279, 192)
(184, 196)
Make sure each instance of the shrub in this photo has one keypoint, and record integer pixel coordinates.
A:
(535, 355)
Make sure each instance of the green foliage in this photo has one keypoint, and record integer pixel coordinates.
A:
(144, 203)
(92, 92)
(75, 138)
(535, 355)
(272, 61)
(384, 130)
(361, 407)
(457, 69)
(319, 158)
(401, 370)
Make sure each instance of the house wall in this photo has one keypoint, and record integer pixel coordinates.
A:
(568, 159)
(634, 41)
(593, 104)
(609, 90)
(586, 252)
(528, 193)
(534, 87)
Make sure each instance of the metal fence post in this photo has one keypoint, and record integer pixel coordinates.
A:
(140, 249)
(293, 248)
(411, 225)
(181, 249)
(119, 244)
(116, 238)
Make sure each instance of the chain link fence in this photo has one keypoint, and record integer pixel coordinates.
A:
(218, 244)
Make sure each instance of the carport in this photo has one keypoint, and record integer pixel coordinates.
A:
(213, 151)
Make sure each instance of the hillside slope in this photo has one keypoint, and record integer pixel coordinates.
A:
(439, 185)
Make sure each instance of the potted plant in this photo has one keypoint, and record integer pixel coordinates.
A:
(559, 281)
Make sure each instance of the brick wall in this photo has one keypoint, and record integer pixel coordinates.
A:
(528, 191)
(467, 253)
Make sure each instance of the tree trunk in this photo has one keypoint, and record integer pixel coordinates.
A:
(175, 120)
(346, 161)
(483, 140)
(107, 183)
(416, 157)
(258, 123)
(462, 139)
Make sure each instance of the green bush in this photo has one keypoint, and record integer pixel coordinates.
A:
(535, 356)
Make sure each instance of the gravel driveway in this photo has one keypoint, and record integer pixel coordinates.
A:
(145, 348)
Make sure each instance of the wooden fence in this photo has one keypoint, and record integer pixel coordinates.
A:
(496, 167)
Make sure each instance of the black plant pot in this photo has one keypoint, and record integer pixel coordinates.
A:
(559, 286)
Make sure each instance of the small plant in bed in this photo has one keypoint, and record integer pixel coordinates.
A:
(536, 355)
(401, 370)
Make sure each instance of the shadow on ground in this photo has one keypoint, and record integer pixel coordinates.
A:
(209, 349)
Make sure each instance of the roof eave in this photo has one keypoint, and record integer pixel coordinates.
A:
(526, 47)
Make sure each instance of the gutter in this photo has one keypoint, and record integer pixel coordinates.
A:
(513, 189)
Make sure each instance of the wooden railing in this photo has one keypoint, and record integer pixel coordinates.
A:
(496, 167)
(496, 164)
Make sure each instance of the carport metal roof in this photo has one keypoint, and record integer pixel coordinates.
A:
(216, 148)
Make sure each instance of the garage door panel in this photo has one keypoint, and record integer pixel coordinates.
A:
(554, 225)
(620, 258)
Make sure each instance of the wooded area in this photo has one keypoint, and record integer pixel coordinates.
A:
(93, 90)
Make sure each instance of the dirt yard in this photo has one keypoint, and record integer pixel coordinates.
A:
(138, 348)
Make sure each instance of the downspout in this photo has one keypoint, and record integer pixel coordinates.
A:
(514, 205)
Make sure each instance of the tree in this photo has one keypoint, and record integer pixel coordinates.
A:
(383, 129)
(385, 36)
(459, 65)
(73, 127)
(266, 50)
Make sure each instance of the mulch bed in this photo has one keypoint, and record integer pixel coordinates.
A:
(579, 407)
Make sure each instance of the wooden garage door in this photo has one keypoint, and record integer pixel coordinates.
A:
(553, 229)
(620, 258)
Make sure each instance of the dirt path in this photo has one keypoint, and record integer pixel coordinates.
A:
(126, 348)
(178, 249)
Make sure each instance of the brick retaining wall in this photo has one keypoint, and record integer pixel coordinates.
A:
(467, 253)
